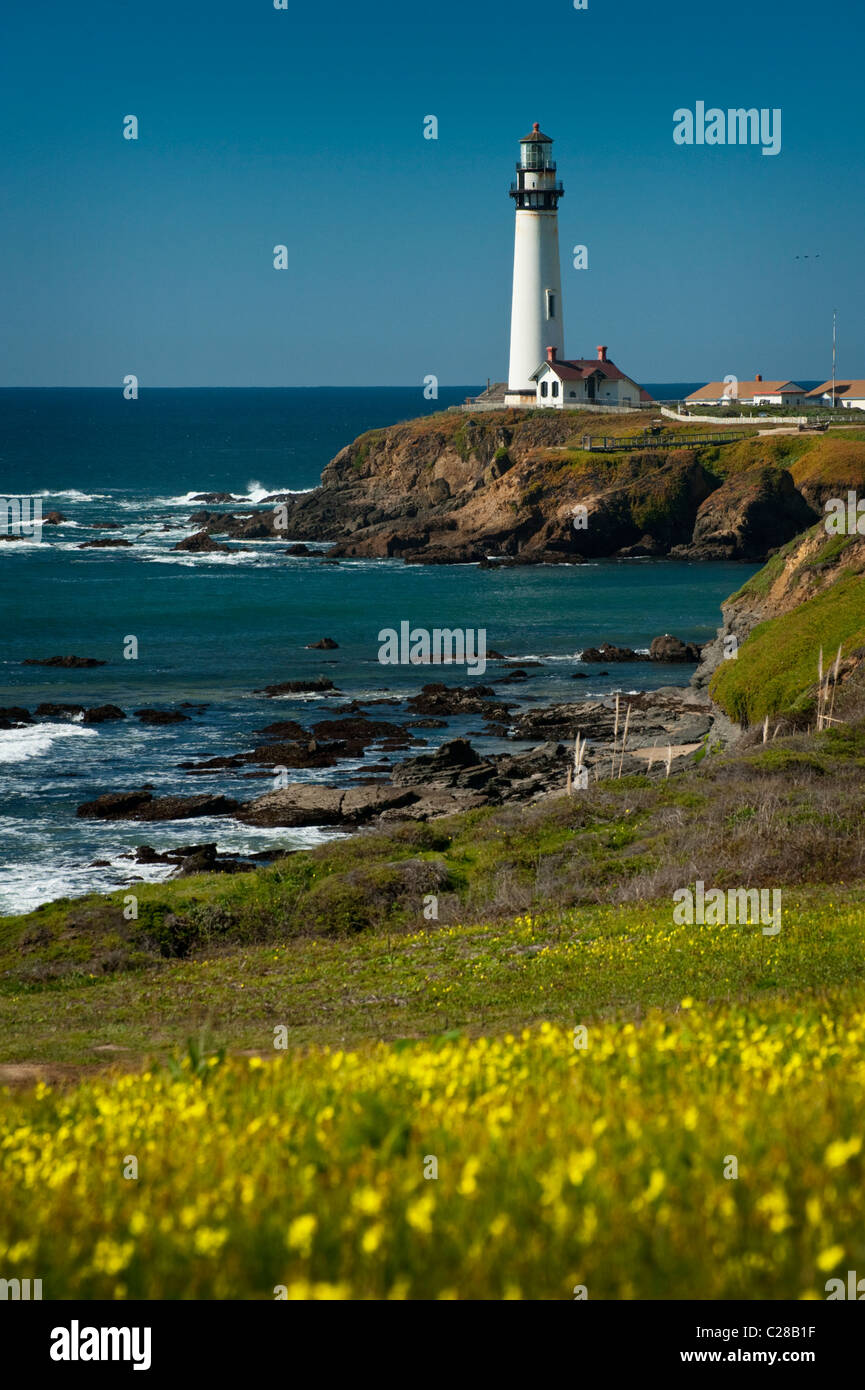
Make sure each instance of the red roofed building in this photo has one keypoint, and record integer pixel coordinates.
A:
(573, 382)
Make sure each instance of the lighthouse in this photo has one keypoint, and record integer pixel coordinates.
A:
(536, 308)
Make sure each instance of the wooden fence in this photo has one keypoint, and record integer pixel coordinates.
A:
(610, 445)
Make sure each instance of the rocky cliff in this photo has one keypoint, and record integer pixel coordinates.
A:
(509, 485)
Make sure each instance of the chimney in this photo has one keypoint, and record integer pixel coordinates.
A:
(758, 377)
(551, 354)
(602, 354)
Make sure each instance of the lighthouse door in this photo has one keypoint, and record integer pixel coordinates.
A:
(590, 388)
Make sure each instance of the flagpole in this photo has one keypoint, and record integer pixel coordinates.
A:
(834, 319)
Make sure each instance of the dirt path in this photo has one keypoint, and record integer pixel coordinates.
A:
(660, 755)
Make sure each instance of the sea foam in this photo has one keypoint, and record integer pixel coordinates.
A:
(32, 740)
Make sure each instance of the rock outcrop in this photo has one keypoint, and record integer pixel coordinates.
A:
(607, 652)
(306, 803)
(67, 662)
(658, 718)
(143, 805)
(519, 487)
(305, 686)
(200, 543)
(194, 859)
(102, 714)
(668, 648)
(748, 517)
(12, 716)
(160, 716)
(439, 699)
(104, 543)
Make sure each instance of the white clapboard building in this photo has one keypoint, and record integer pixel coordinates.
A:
(585, 381)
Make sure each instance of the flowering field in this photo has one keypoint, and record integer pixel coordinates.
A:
(558, 1166)
(494, 978)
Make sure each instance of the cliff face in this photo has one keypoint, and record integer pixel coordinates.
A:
(446, 484)
(749, 515)
(810, 596)
(508, 484)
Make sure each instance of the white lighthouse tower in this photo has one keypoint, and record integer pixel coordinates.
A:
(536, 309)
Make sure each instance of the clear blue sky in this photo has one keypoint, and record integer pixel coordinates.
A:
(305, 127)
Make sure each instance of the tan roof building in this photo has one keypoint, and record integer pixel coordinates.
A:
(849, 393)
(756, 392)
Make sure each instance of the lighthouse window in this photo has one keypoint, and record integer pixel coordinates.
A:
(535, 157)
(543, 388)
(551, 305)
(554, 388)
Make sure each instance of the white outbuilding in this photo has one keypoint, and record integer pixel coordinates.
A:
(560, 383)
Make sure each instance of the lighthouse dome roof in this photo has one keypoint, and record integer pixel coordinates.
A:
(537, 136)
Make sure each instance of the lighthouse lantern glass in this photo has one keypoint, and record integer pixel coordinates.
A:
(534, 156)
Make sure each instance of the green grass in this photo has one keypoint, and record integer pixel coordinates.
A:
(776, 669)
(760, 583)
(371, 882)
(563, 965)
(536, 905)
(837, 459)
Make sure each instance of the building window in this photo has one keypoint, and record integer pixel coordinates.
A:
(572, 393)
(554, 388)
(543, 388)
(551, 304)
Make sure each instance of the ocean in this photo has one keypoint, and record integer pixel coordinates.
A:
(212, 629)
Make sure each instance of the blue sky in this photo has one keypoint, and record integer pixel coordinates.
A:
(305, 127)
